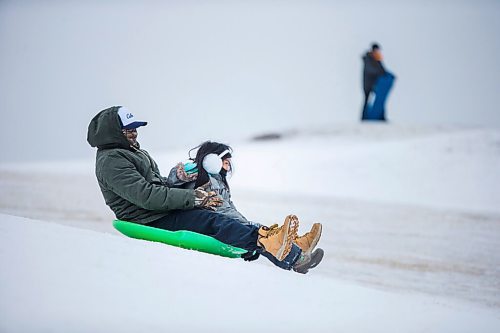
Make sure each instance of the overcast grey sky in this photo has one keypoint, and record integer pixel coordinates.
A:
(225, 70)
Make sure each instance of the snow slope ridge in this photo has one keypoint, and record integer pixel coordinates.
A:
(449, 168)
(62, 279)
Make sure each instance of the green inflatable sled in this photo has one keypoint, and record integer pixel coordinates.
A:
(182, 238)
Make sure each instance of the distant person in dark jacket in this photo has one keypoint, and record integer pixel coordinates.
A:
(373, 69)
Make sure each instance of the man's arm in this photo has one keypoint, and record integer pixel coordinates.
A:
(121, 176)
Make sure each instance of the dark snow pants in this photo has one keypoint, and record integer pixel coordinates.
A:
(219, 226)
(289, 260)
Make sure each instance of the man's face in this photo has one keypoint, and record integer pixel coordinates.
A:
(131, 135)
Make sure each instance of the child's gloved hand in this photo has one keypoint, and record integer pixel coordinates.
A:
(183, 175)
(208, 200)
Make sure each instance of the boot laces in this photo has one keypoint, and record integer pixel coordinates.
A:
(304, 237)
(273, 230)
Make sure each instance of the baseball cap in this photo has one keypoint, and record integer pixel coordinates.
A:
(129, 119)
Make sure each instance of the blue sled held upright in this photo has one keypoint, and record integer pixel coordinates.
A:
(375, 107)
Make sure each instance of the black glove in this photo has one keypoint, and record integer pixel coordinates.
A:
(250, 256)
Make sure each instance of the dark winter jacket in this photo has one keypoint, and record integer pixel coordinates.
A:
(129, 178)
(373, 69)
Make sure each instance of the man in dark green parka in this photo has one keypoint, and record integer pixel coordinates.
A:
(134, 189)
(136, 192)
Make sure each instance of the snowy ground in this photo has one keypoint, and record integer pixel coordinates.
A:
(411, 233)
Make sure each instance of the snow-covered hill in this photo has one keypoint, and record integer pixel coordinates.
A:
(411, 235)
(62, 279)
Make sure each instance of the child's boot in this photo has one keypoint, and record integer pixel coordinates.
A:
(308, 242)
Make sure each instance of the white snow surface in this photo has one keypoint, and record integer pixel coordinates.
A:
(58, 278)
(411, 238)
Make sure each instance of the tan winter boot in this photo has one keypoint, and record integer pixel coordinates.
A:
(278, 240)
(308, 242)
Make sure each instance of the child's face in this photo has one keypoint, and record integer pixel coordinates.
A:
(226, 164)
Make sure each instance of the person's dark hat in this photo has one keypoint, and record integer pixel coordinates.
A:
(375, 46)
